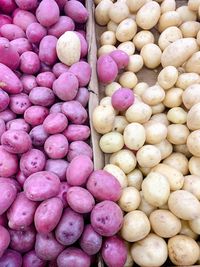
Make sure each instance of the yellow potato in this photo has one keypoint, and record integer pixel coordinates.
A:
(148, 15)
(164, 223)
(186, 230)
(128, 47)
(175, 177)
(140, 88)
(183, 250)
(177, 161)
(187, 79)
(195, 225)
(156, 109)
(186, 14)
(177, 115)
(118, 12)
(134, 136)
(156, 132)
(138, 112)
(193, 63)
(168, 77)
(112, 26)
(153, 95)
(151, 54)
(106, 49)
(193, 118)
(124, 159)
(111, 142)
(103, 118)
(177, 134)
(173, 97)
(108, 38)
(135, 179)
(119, 124)
(126, 30)
(168, 36)
(193, 143)
(168, 5)
(182, 149)
(184, 48)
(135, 227)
(130, 199)
(165, 149)
(184, 205)
(192, 184)
(169, 19)
(151, 251)
(194, 166)
(160, 117)
(128, 79)
(111, 88)
(190, 28)
(142, 38)
(145, 206)
(135, 5)
(102, 11)
(135, 63)
(118, 173)
(194, 5)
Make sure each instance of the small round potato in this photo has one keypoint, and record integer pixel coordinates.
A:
(136, 226)
(102, 11)
(145, 206)
(182, 149)
(164, 223)
(108, 38)
(177, 161)
(160, 117)
(124, 159)
(105, 101)
(168, 5)
(151, 54)
(130, 199)
(156, 132)
(140, 88)
(151, 251)
(111, 142)
(156, 189)
(138, 112)
(177, 115)
(173, 97)
(135, 179)
(158, 108)
(117, 173)
(128, 79)
(183, 250)
(134, 136)
(128, 47)
(190, 28)
(195, 225)
(168, 77)
(194, 166)
(193, 143)
(135, 5)
(192, 65)
(153, 95)
(186, 14)
(142, 38)
(118, 12)
(111, 88)
(126, 30)
(135, 63)
(169, 19)
(193, 120)
(120, 124)
(192, 184)
(187, 79)
(148, 156)
(112, 26)
(165, 148)
(186, 230)
(168, 36)
(191, 95)
(177, 134)
(106, 49)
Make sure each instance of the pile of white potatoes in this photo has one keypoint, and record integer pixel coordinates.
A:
(154, 144)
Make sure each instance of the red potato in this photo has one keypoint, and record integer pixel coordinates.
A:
(66, 86)
(29, 63)
(22, 240)
(43, 67)
(11, 258)
(61, 3)
(42, 96)
(28, 82)
(16, 142)
(59, 68)
(32, 161)
(90, 241)
(19, 103)
(55, 123)
(121, 58)
(56, 146)
(21, 45)
(78, 148)
(75, 112)
(21, 178)
(23, 18)
(8, 163)
(64, 186)
(72, 257)
(11, 181)
(83, 96)
(7, 115)
(35, 32)
(45, 79)
(8, 194)
(122, 99)
(4, 19)
(21, 213)
(77, 132)
(4, 100)
(80, 200)
(107, 69)
(84, 44)
(47, 50)
(69, 228)
(27, 5)
(47, 13)
(76, 10)
(79, 170)
(114, 251)
(3, 220)
(41, 186)
(8, 55)
(11, 32)
(35, 115)
(104, 186)
(82, 70)
(47, 247)
(18, 124)
(30, 259)
(5, 240)
(9, 81)
(38, 135)
(2, 127)
(48, 215)
(56, 108)
(106, 218)
(63, 24)
(7, 6)
(57, 166)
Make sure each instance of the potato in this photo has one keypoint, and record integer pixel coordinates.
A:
(134, 136)
(76, 11)
(184, 48)
(135, 5)
(108, 38)
(135, 179)
(165, 148)
(158, 108)
(142, 38)
(106, 49)
(130, 199)
(168, 77)
(135, 226)
(44, 13)
(102, 11)
(155, 52)
(145, 206)
(128, 79)
(148, 15)
(191, 184)
(148, 156)
(135, 63)
(173, 97)
(177, 161)
(73, 255)
(69, 48)
(183, 250)
(177, 134)
(124, 159)
(193, 5)
(138, 112)
(153, 95)
(198, 38)
(195, 225)
(120, 124)
(128, 47)
(175, 177)
(177, 115)
(186, 14)
(160, 117)
(156, 132)
(169, 19)
(193, 143)
(156, 189)
(140, 87)
(187, 231)
(194, 164)
(145, 170)
(193, 122)
(56, 146)
(106, 62)
(117, 173)
(182, 149)
(112, 26)
(186, 80)
(192, 65)
(42, 96)
(168, 36)
(191, 96)
(164, 223)
(126, 30)
(184, 205)
(121, 58)
(118, 12)
(7, 196)
(111, 88)
(168, 5)
(151, 251)
(111, 142)
(190, 29)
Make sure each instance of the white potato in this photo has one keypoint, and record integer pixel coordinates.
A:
(145, 206)
(142, 38)
(186, 14)
(191, 95)
(192, 184)
(135, 63)
(168, 77)
(148, 156)
(156, 109)
(165, 148)
(106, 101)
(128, 79)
(169, 19)
(124, 159)
(187, 79)
(198, 38)
(193, 143)
(177, 115)
(194, 166)
(126, 30)
(194, 5)
(187, 231)
(102, 11)
(168, 36)
(118, 12)
(111, 142)
(161, 117)
(177, 161)
(135, 5)
(177, 134)
(118, 173)
(153, 95)
(151, 54)
(106, 49)
(173, 97)
(112, 26)
(156, 132)
(140, 88)
(135, 179)
(193, 63)
(108, 38)
(193, 118)
(138, 112)
(134, 136)
(111, 88)
(168, 5)
(182, 149)
(195, 225)
(128, 47)
(130, 199)
(119, 124)
(190, 28)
